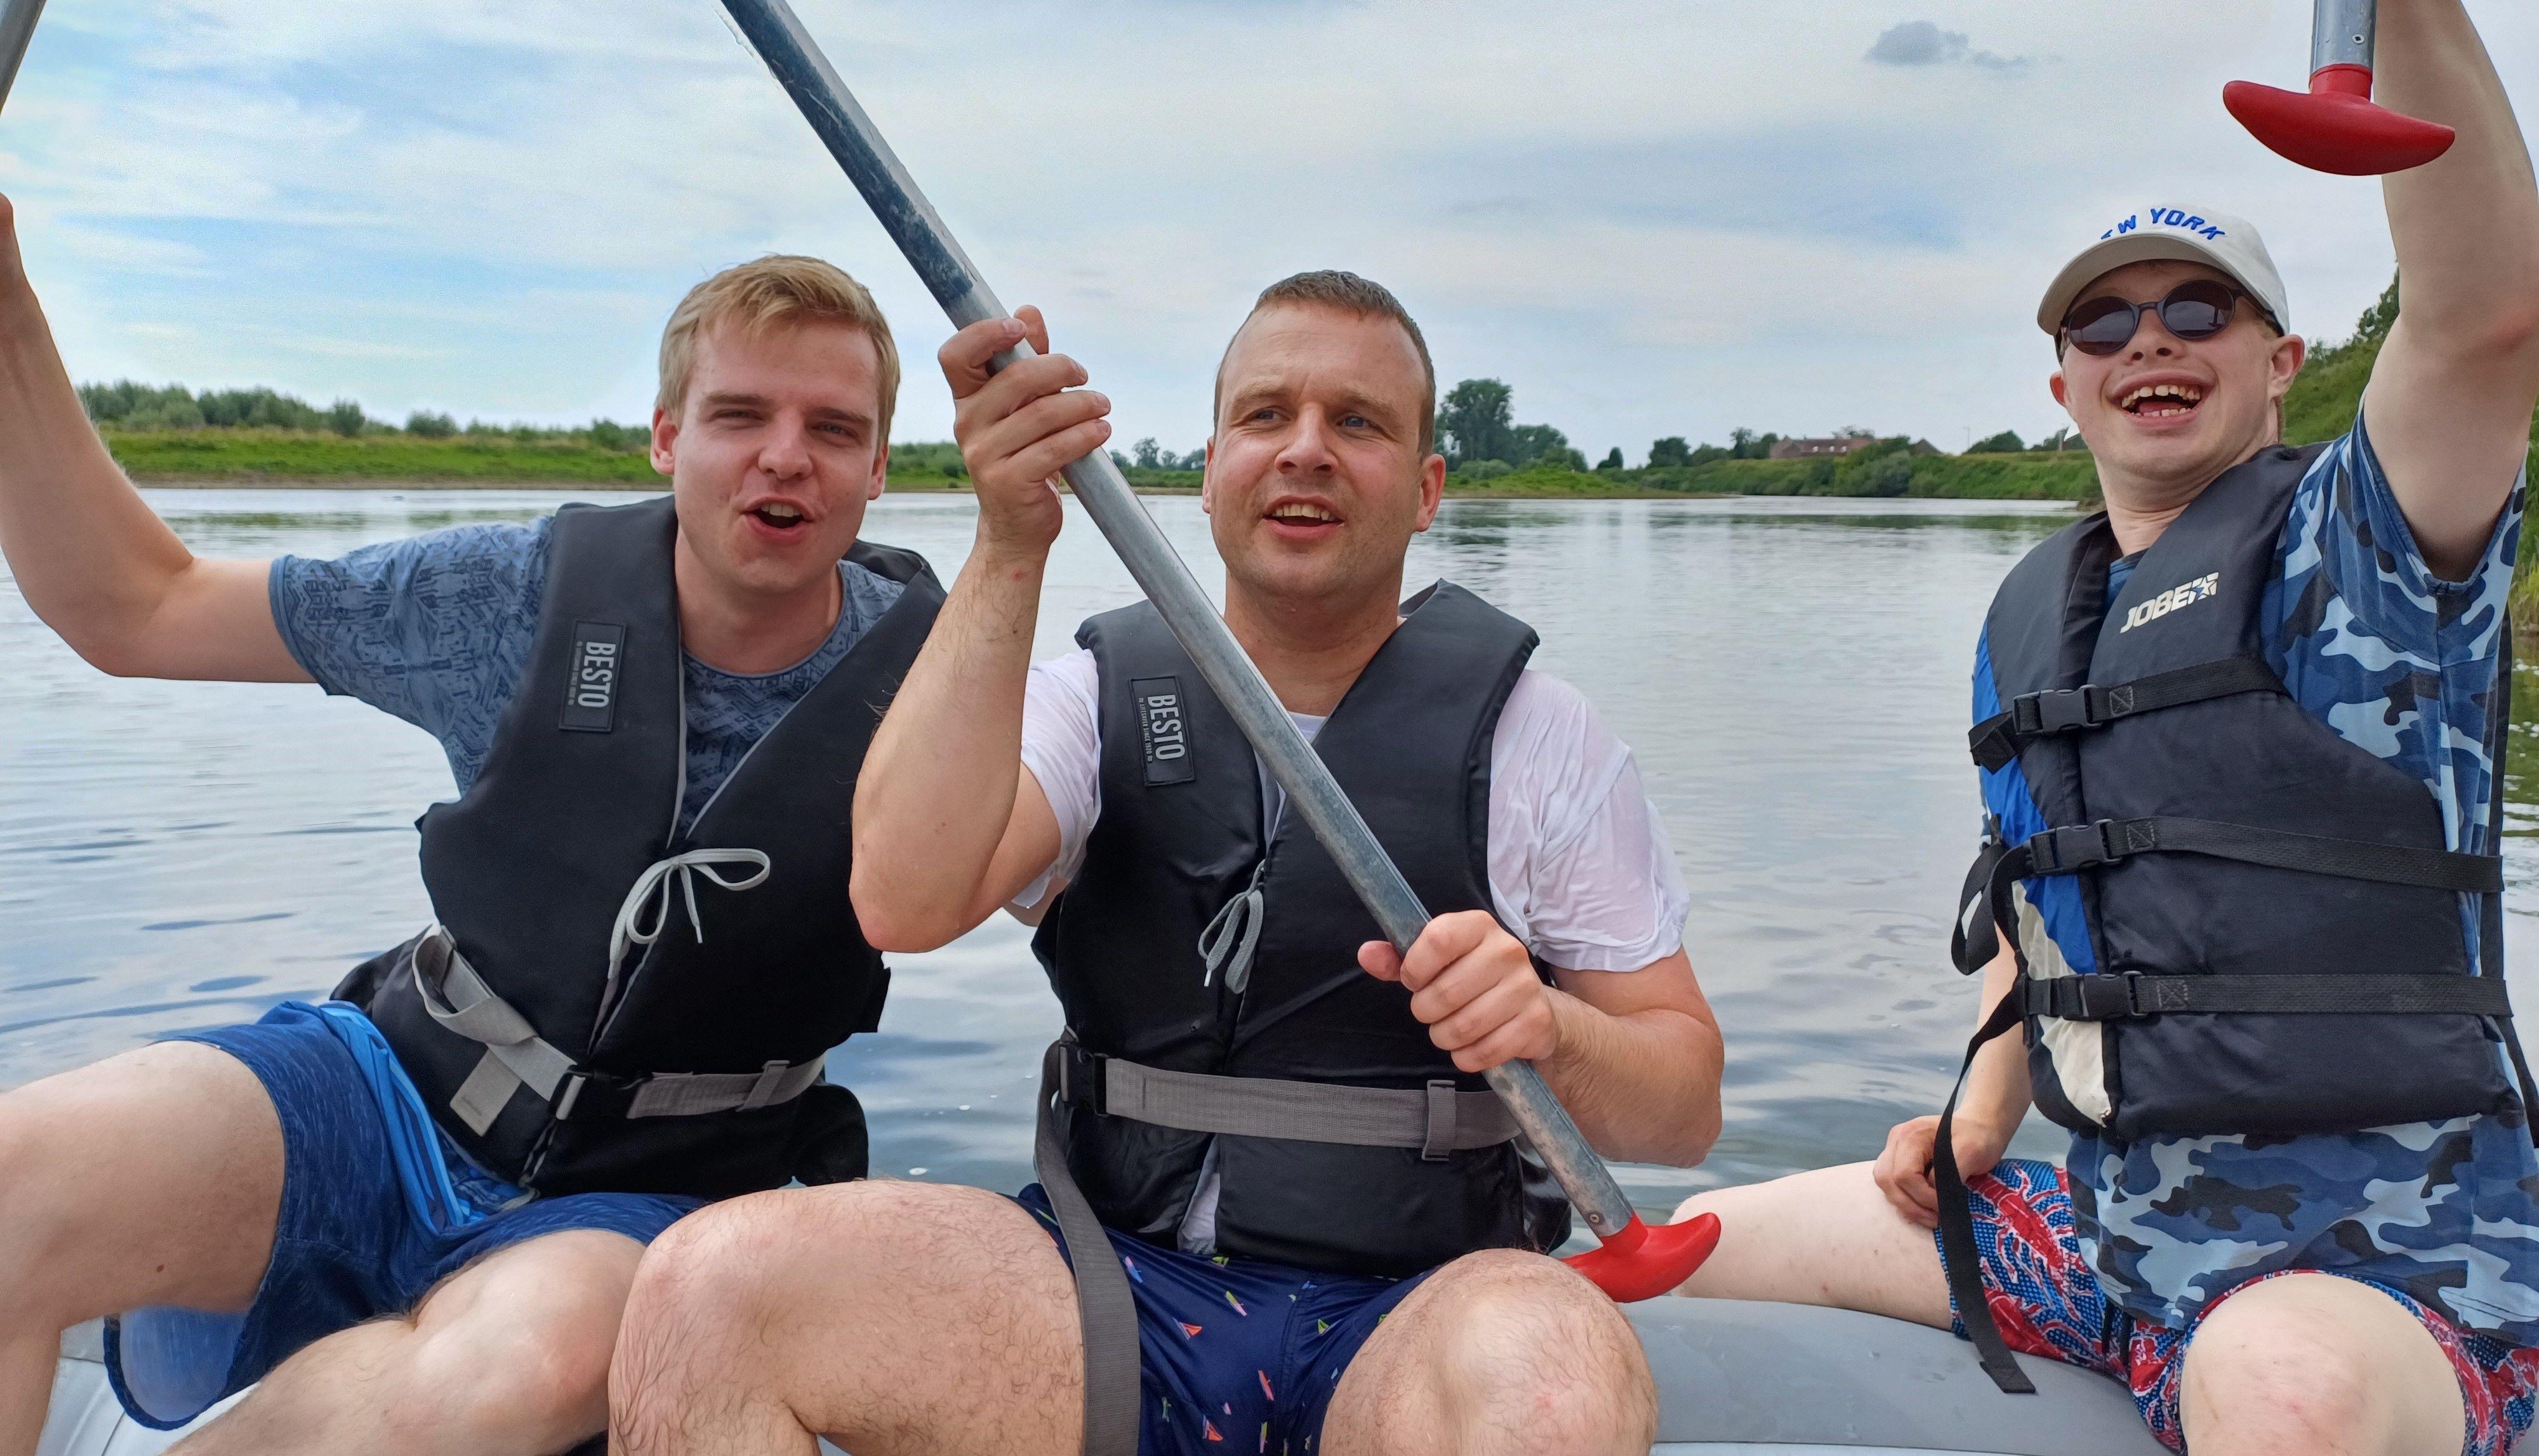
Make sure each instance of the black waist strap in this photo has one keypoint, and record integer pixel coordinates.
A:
(1997, 739)
(1985, 904)
(2121, 996)
(2078, 847)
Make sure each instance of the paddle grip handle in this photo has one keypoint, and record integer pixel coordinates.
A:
(770, 27)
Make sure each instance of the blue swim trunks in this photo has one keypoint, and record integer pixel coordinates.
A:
(1239, 1355)
(377, 1208)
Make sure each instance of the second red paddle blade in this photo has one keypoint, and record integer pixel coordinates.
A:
(1642, 1263)
(2335, 130)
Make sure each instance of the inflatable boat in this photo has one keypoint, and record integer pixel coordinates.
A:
(1734, 1379)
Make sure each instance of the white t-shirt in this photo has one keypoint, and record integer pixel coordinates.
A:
(1580, 869)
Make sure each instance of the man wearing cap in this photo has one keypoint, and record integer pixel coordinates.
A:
(2238, 738)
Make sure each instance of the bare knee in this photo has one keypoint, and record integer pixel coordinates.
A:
(1524, 1344)
(2314, 1363)
(717, 1295)
(518, 1360)
(724, 1270)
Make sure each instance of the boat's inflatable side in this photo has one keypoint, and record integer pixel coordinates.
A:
(1731, 1373)
(1734, 1379)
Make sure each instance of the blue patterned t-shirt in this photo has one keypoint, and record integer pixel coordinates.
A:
(2404, 664)
(436, 629)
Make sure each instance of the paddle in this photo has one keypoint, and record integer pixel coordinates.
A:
(2334, 126)
(1636, 1262)
(17, 27)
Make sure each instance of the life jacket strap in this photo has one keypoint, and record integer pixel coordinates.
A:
(1996, 741)
(2111, 998)
(1106, 1308)
(1961, 1263)
(1436, 1120)
(2076, 846)
(515, 1056)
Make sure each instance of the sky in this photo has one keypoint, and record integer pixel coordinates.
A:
(1649, 217)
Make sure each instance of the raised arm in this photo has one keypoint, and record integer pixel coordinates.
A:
(948, 823)
(93, 560)
(2449, 401)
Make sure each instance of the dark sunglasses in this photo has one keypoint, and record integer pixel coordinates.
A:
(2194, 310)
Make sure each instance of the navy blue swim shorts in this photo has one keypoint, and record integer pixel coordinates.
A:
(1241, 1358)
(377, 1208)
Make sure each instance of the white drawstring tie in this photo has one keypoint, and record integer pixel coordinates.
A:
(651, 895)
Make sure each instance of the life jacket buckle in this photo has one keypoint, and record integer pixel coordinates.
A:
(2059, 710)
(2079, 847)
(1079, 1078)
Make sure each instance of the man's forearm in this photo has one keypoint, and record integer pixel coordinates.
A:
(1643, 1086)
(937, 788)
(2450, 396)
(1997, 1094)
(2466, 226)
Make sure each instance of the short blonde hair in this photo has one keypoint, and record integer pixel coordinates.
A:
(759, 295)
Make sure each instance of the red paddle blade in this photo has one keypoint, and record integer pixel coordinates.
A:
(2334, 126)
(1642, 1263)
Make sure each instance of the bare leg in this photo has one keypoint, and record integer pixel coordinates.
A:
(1498, 1354)
(149, 1178)
(507, 1358)
(894, 1318)
(2317, 1365)
(1825, 1238)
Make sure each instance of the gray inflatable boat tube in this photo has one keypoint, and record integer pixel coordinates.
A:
(1749, 1379)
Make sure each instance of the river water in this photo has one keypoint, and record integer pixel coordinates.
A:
(1792, 675)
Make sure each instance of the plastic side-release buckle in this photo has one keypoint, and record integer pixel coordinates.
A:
(2059, 710)
(2078, 847)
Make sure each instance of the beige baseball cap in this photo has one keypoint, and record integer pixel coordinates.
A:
(2184, 233)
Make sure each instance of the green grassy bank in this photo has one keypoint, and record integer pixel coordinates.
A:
(266, 456)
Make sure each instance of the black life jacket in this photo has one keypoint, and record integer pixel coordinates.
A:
(568, 1025)
(1180, 836)
(2260, 921)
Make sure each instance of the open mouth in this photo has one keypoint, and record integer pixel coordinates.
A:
(1303, 516)
(779, 518)
(2163, 402)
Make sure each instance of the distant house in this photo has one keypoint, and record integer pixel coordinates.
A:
(1832, 449)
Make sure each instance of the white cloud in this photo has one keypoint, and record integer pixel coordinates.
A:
(1650, 217)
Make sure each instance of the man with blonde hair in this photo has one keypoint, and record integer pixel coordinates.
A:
(413, 1211)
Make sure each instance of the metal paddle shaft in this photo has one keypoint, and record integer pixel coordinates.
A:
(2334, 127)
(17, 27)
(790, 53)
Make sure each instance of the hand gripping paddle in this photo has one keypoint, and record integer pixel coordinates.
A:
(1636, 1262)
(2334, 126)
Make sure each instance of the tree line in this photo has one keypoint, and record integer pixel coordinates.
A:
(129, 405)
(1476, 429)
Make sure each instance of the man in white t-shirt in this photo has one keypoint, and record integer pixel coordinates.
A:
(1278, 1123)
